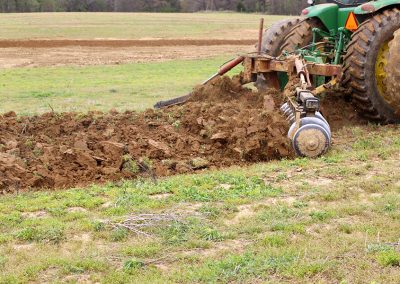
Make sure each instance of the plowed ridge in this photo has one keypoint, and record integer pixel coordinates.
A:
(224, 124)
(50, 43)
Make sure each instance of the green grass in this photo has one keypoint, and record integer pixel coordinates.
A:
(131, 86)
(335, 221)
(131, 25)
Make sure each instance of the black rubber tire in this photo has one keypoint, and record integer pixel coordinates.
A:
(301, 35)
(393, 73)
(360, 63)
(273, 38)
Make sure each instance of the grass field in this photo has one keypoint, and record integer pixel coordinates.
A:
(130, 86)
(131, 25)
(334, 219)
(330, 220)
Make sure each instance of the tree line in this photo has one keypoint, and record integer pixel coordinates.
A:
(292, 7)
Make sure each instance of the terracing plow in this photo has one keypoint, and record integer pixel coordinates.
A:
(309, 132)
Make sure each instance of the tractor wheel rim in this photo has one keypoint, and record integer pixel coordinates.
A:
(380, 72)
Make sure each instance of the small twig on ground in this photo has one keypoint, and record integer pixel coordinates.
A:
(170, 257)
(393, 244)
(136, 224)
(52, 109)
(145, 168)
(132, 229)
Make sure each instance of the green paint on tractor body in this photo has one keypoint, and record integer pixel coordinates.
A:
(334, 16)
(327, 13)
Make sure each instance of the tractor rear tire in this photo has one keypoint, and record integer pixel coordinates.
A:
(301, 35)
(273, 38)
(393, 73)
(365, 62)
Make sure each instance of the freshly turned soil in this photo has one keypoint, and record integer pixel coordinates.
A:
(223, 124)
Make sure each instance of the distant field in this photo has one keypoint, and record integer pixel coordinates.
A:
(124, 86)
(131, 25)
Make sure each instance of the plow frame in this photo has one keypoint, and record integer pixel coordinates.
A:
(266, 65)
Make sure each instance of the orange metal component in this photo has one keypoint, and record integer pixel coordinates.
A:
(351, 22)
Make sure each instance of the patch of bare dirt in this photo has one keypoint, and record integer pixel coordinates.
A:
(245, 212)
(78, 278)
(223, 124)
(35, 215)
(218, 249)
(84, 238)
(23, 247)
(160, 196)
(76, 210)
(340, 112)
(46, 43)
(16, 57)
(237, 246)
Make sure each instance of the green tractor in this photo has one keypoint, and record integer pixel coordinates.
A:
(359, 35)
(348, 46)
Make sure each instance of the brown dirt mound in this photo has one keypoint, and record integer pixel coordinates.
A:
(340, 112)
(223, 124)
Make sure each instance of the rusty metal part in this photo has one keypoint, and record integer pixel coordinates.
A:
(300, 67)
(325, 87)
(225, 69)
(264, 64)
(302, 72)
(230, 65)
(260, 36)
(326, 70)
